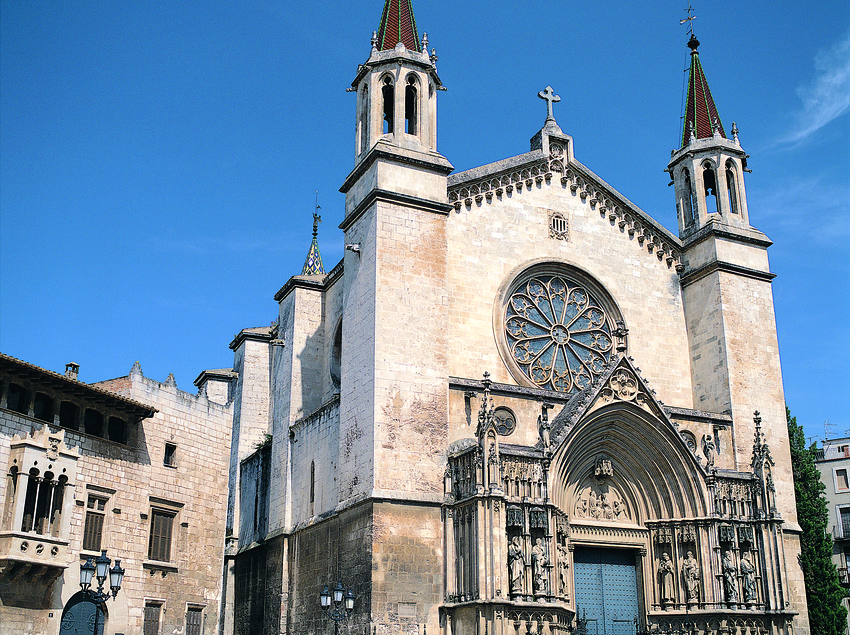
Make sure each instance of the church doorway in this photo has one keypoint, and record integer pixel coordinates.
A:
(82, 617)
(606, 590)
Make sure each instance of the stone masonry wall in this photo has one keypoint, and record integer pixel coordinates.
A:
(490, 242)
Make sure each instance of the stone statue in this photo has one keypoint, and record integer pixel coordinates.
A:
(730, 578)
(665, 570)
(748, 573)
(708, 449)
(619, 510)
(690, 569)
(607, 510)
(538, 563)
(516, 565)
(563, 567)
(581, 508)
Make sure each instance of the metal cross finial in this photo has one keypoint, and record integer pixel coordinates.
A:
(690, 19)
(550, 97)
(316, 218)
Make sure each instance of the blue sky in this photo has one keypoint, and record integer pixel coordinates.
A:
(159, 161)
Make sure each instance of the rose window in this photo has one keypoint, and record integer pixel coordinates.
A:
(558, 333)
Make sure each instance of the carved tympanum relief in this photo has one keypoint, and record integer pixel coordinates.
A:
(601, 501)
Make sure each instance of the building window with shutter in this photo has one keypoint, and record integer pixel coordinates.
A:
(841, 482)
(152, 612)
(844, 512)
(159, 546)
(95, 513)
(194, 620)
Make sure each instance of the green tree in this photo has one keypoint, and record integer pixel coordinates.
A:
(827, 616)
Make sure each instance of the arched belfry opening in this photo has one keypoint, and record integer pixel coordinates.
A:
(687, 199)
(732, 187)
(709, 181)
(411, 105)
(388, 104)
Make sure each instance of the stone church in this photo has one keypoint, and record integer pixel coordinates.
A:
(518, 404)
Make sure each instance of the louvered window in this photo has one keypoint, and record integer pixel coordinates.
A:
(194, 620)
(159, 547)
(93, 533)
(152, 611)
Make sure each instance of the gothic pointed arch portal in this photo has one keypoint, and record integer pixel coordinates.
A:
(81, 616)
(617, 474)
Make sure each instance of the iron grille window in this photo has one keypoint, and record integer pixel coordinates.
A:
(159, 547)
(93, 533)
(194, 619)
(151, 625)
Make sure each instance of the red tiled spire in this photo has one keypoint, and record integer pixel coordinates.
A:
(398, 25)
(700, 111)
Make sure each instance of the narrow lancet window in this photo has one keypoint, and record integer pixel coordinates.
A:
(410, 103)
(732, 187)
(688, 199)
(364, 119)
(709, 179)
(388, 94)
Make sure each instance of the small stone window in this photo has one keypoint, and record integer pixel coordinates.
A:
(312, 481)
(709, 180)
(731, 187)
(170, 458)
(336, 357)
(559, 226)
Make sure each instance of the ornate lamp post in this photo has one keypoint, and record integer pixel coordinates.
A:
(343, 604)
(100, 569)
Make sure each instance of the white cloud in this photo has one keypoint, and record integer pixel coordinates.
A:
(827, 97)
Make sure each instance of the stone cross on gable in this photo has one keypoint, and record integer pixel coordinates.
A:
(550, 97)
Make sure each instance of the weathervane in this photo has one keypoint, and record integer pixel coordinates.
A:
(690, 19)
(316, 218)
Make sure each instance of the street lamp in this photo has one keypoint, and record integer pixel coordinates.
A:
(100, 569)
(343, 603)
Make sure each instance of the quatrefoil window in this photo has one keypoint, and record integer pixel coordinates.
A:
(558, 333)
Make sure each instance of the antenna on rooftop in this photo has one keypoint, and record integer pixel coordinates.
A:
(827, 427)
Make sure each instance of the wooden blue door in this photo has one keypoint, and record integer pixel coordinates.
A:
(82, 617)
(606, 590)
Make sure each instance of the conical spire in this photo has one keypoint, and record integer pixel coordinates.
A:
(701, 118)
(398, 25)
(313, 265)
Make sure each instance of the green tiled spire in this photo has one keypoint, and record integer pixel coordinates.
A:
(313, 265)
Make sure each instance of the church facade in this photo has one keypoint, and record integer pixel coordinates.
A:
(520, 404)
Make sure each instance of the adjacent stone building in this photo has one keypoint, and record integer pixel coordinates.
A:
(131, 466)
(518, 405)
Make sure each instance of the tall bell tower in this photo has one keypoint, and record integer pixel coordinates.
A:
(726, 284)
(393, 399)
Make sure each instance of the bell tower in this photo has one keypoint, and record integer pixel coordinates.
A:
(393, 408)
(707, 170)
